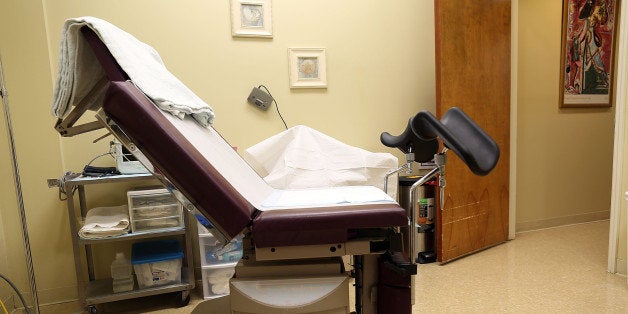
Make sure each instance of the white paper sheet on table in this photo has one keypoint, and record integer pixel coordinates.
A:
(302, 158)
(344, 195)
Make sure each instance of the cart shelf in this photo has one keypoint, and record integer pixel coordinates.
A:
(136, 236)
(100, 291)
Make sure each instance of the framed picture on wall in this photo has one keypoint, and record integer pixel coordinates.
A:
(587, 53)
(251, 18)
(308, 68)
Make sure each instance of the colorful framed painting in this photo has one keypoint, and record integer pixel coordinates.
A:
(587, 53)
(308, 67)
(251, 18)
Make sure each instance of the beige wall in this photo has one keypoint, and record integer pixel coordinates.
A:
(27, 72)
(5, 210)
(8, 215)
(564, 156)
(367, 45)
(379, 61)
(380, 66)
(10, 240)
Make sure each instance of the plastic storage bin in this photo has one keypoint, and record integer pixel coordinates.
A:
(152, 209)
(217, 261)
(216, 280)
(214, 253)
(157, 263)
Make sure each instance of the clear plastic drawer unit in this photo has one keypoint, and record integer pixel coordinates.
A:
(153, 208)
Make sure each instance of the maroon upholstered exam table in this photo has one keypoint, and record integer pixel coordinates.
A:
(293, 240)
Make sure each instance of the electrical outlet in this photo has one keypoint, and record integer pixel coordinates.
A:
(260, 99)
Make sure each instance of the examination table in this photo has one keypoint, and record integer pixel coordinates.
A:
(293, 240)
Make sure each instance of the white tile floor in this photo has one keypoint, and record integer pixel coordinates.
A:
(558, 270)
(554, 270)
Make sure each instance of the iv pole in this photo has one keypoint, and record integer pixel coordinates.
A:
(18, 190)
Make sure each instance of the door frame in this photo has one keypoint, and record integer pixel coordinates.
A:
(621, 96)
(514, 56)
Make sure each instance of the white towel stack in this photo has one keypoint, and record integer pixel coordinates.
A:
(102, 222)
(79, 71)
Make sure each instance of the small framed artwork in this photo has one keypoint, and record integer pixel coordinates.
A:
(587, 53)
(251, 18)
(308, 68)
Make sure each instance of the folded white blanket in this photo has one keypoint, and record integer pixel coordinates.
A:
(79, 71)
(101, 222)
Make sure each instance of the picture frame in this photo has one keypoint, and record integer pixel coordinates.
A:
(588, 53)
(251, 18)
(308, 67)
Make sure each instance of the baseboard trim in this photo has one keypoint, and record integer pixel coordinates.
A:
(561, 221)
(57, 295)
(70, 306)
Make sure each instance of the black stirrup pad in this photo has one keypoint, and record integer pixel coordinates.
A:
(409, 142)
(462, 135)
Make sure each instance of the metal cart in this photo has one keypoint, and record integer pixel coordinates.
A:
(93, 291)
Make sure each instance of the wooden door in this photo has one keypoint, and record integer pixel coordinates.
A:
(473, 73)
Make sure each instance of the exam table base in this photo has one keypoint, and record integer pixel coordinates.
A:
(314, 285)
(378, 290)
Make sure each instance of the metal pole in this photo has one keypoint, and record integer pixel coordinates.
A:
(18, 190)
